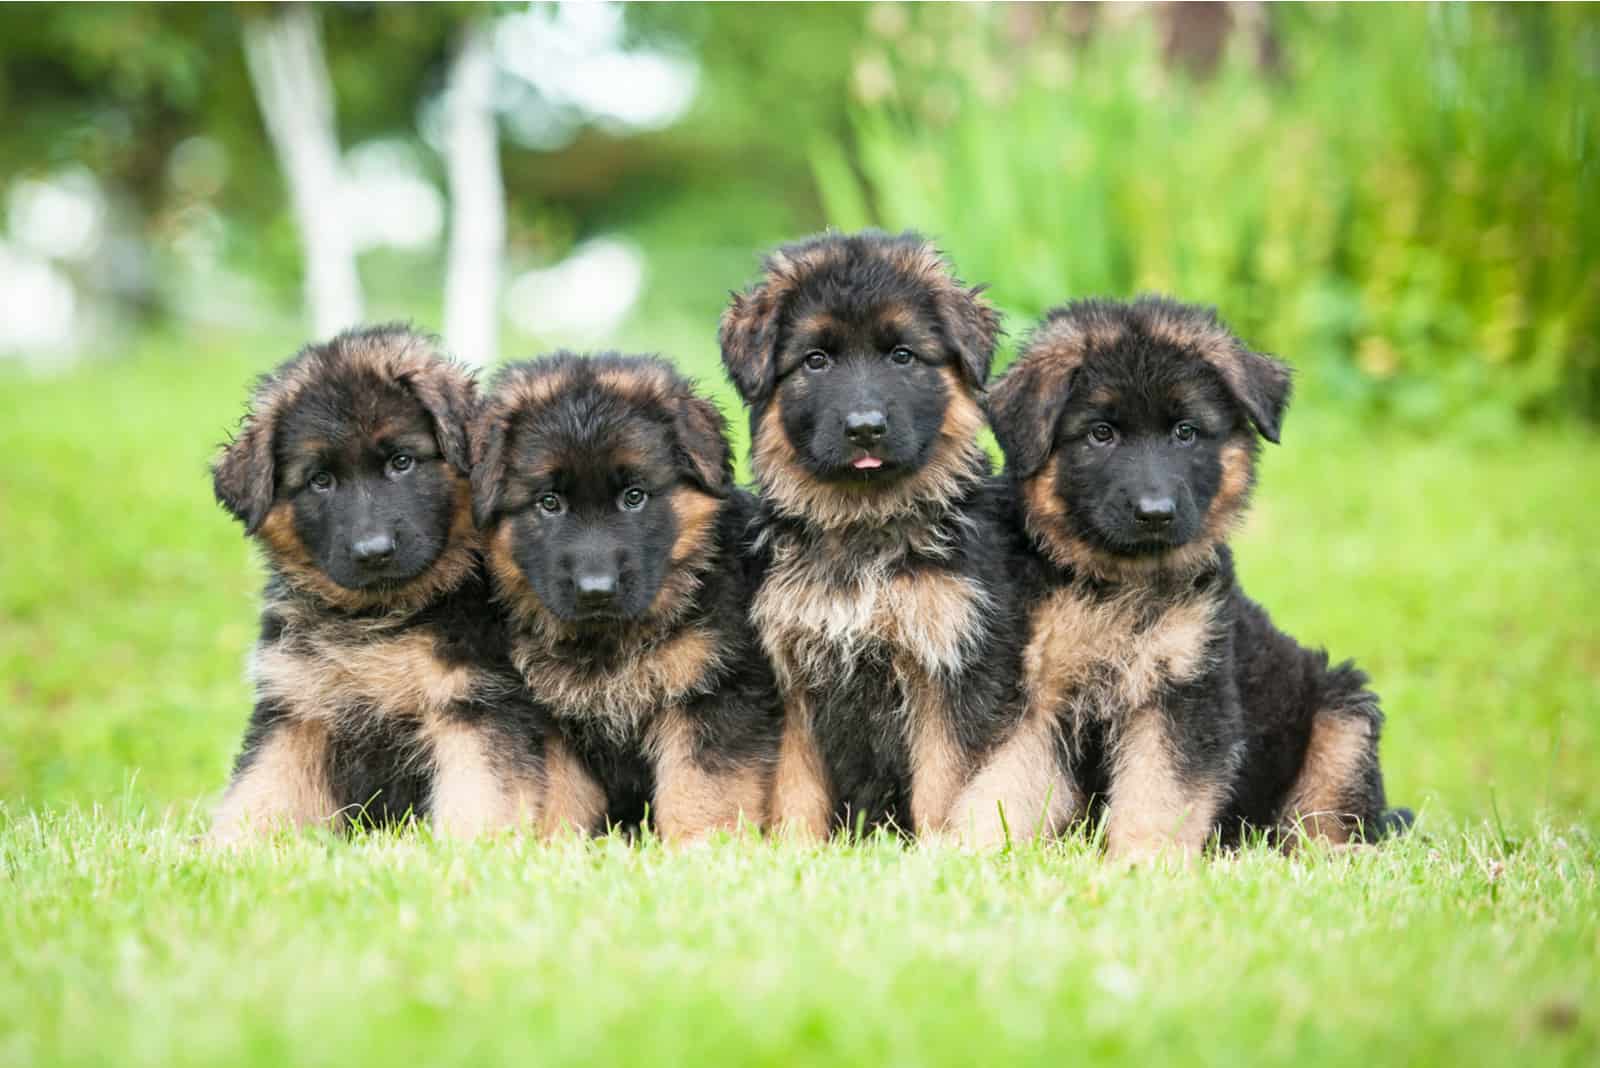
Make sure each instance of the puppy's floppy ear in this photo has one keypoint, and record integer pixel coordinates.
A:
(749, 338)
(1259, 383)
(243, 476)
(488, 441)
(971, 326)
(703, 451)
(1262, 386)
(1023, 408)
(450, 395)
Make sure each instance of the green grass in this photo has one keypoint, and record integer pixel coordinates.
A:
(1460, 575)
(122, 942)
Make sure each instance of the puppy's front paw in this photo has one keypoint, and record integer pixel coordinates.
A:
(1150, 849)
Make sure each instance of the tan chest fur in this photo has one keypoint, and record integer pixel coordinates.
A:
(351, 673)
(816, 626)
(813, 623)
(1102, 660)
(658, 674)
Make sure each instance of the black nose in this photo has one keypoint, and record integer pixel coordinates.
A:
(865, 428)
(373, 549)
(596, 590)
(1156, 511)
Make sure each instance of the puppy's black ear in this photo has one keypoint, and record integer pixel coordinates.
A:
(243, 476)
(450, 395)
(749, 338)
(1023, 409)
(972, 327)
(703, 451)
(1259, 383)
(488, 442)
(1262, 385)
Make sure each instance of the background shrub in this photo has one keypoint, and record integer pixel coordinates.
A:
(1404, 204)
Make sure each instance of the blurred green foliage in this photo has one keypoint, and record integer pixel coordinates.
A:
(1403, 200)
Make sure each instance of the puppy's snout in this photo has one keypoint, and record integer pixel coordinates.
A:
(866, 428)
(373, 550)
(1155, 510)
(596, 590)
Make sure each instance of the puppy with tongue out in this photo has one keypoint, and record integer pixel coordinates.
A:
(886, 605)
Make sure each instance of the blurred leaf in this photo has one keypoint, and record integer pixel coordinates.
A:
(1411, 214)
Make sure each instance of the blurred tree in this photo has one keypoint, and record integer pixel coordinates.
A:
(154, 103)
(477, 200)
(1194, 35)
(112, 92)
(294, 90)
(115, 87)
(134, 94)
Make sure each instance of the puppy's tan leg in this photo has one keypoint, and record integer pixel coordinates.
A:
(1339, 764)
(1023, 780)
(801, 800)
(1152, 811)
(478, 786)
(938, 769)
(285, 784)
(692, 800)
(572, 800)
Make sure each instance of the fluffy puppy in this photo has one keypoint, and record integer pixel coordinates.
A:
(885, 604)
(617, 544)
(1130, 433)
(382, 684)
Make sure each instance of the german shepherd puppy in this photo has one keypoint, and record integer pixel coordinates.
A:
(382, 684)
(617, 543)
(1130, 432)
(885, 604)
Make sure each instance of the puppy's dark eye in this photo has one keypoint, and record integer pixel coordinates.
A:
(552, 504)
(320, 481)
(1102, 433)
(816, 360)
(901, 355)
(400, 463)
(1184, 433)
(632, 499)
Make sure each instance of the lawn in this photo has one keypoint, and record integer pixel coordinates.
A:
(1460, 574)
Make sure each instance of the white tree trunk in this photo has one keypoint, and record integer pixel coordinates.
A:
(292, 86)
(477, 202)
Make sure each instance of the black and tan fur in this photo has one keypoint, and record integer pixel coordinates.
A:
(885, 605)
(1130, 433)
(618, 545)
(382, 686)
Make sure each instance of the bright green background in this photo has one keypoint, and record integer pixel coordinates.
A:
(1404, 207)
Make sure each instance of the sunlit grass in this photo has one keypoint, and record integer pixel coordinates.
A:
(124, 942)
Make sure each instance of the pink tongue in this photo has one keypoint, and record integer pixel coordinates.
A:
(867, 463)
